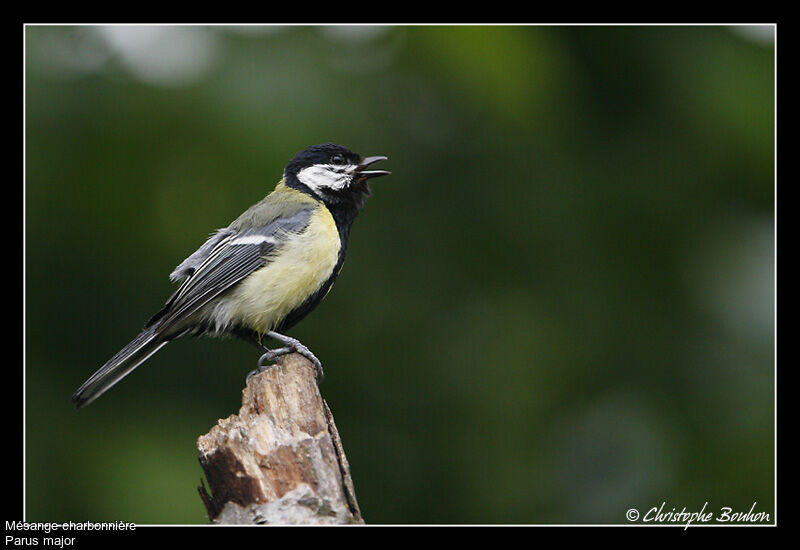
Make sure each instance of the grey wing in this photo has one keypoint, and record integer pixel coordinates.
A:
(188, 266)
(222, 262)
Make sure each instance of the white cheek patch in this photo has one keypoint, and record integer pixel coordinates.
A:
(324, 176)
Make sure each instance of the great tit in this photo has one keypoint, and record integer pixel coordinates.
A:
(264, 272)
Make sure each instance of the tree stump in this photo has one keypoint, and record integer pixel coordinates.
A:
(280, 460)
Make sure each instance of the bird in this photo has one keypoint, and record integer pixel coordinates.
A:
(262, 274)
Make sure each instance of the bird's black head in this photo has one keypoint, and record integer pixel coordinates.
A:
(332, 173)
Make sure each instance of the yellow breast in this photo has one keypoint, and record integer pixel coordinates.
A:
(295, 271)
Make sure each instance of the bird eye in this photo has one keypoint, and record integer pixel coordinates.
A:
(337, 159)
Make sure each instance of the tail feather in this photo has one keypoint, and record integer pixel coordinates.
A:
(119, 366)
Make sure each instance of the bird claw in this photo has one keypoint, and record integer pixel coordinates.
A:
(252, 373)
(297, 347)
(320, 374)
(292, 345)
(271, 356)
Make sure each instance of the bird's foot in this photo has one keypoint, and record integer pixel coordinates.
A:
(270, 356)
(293, 345)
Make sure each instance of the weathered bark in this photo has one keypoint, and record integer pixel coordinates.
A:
(280, 460)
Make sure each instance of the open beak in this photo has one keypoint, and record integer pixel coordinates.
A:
(362, 174)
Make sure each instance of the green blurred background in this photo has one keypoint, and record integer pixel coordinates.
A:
(559, 305)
